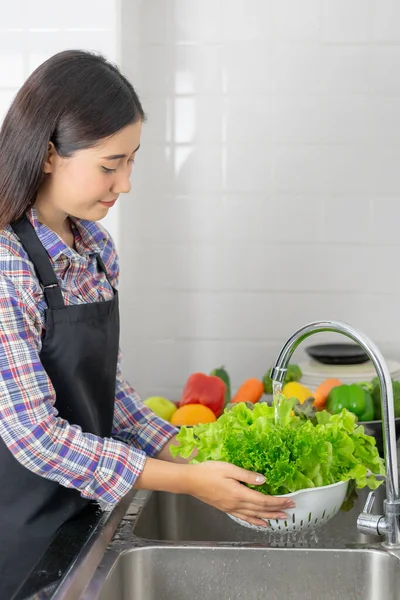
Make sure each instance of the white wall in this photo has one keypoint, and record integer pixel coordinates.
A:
(32, 31)
(266, 190)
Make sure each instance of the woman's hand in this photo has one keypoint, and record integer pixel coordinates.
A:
(219, 484)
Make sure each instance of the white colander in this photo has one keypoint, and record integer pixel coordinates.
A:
(314, 507)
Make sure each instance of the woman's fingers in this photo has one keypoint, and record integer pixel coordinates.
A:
(243, 475)
(258, 518)
(219, 484)
(254, 511)
(251, 520)
(253, 496)
(262, 501)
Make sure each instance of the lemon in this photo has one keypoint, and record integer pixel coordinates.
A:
(296, 390)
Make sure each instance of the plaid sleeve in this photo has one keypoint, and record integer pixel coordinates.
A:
(135, 423)
(100, 468)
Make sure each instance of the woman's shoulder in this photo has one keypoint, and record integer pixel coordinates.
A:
(11, 249)
(9, 243)
(14, 261)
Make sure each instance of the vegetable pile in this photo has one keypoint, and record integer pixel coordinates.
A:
(204, 397)
(295, 450)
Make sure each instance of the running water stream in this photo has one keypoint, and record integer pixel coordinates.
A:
(276, 398)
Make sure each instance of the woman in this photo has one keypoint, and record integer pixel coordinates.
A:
(71, 429)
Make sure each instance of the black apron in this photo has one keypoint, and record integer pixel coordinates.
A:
(79, 353)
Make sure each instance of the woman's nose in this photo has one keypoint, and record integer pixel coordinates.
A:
(122, 184)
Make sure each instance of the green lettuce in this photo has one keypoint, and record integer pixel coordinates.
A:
(292, 452)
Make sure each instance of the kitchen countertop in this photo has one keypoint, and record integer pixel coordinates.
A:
(51, 567)
(68, 564)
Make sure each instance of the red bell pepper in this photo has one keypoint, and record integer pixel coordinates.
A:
(208, 390)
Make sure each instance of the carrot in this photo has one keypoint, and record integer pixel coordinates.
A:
(322, 392)
(250, 391)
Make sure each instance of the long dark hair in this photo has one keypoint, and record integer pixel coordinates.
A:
(74, 99)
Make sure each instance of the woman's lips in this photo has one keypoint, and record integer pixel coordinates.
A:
(108, 204)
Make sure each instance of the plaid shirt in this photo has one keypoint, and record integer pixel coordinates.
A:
(102, 469)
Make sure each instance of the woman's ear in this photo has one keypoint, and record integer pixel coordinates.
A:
(48, 166)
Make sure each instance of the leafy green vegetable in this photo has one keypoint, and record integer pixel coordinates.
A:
(305, 410)
(376, 397)
(292, 452)
(293, 373)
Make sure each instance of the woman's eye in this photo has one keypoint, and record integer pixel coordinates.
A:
(106, 170)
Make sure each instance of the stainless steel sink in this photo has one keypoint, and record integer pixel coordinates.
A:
(179, 518)
(206, 573)
(174, 547)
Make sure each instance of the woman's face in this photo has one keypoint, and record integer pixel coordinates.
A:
(88, 184)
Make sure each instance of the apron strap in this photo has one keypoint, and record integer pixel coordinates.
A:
(41, 261)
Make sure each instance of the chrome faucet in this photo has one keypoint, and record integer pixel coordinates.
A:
(389, 523)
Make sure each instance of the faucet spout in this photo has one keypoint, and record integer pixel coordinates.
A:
(391, 520)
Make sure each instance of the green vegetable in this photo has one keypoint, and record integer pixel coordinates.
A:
(233, 404)
(376, 397)
(291, 452)
(223, 374)
(293, 373)
(306, 409)
(354, 398)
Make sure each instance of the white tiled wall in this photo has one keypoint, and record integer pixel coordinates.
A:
(31, 32)
(266, 191)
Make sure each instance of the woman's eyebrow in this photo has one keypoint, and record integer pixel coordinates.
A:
(117, 156)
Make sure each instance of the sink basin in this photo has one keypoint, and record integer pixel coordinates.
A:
(175, 547)
(207, 573)
(179, 518)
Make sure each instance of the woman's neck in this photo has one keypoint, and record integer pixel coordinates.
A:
(58, 221)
